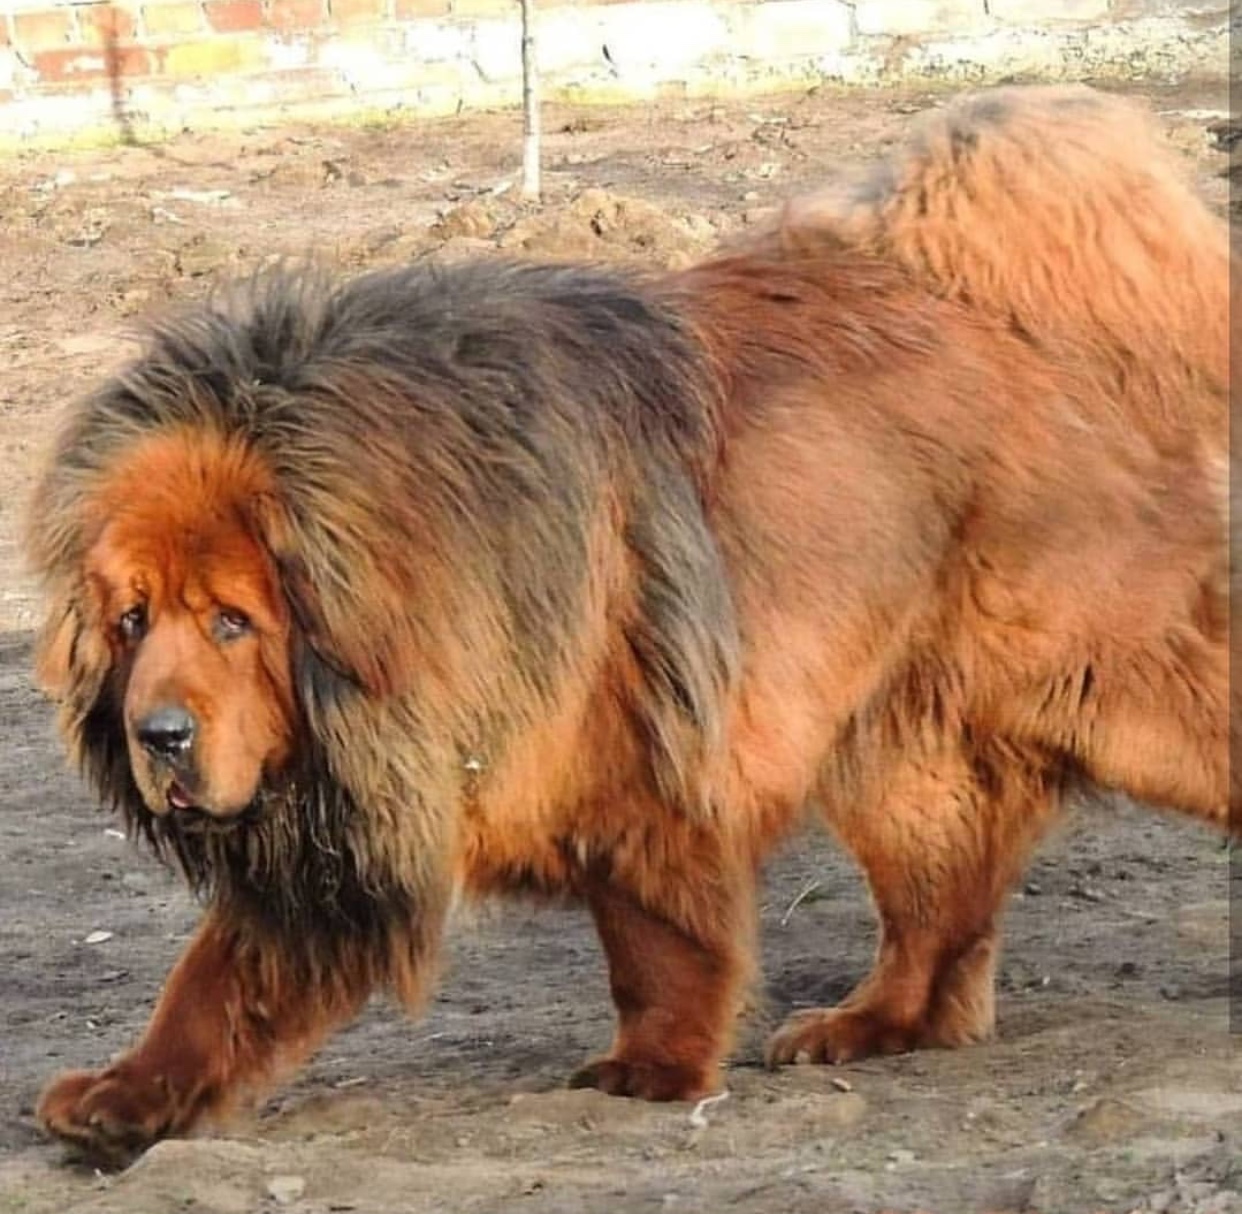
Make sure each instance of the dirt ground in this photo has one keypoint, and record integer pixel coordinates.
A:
(1114, 1084)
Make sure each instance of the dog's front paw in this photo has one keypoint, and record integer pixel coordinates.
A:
(113, 1114)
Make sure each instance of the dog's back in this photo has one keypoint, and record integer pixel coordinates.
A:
(1061, 209)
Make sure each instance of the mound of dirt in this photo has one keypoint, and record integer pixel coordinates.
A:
(593, 225)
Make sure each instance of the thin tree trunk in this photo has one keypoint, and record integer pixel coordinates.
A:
(530, 105)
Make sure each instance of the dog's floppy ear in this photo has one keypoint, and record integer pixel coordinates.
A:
(348, 622)
(71, 654)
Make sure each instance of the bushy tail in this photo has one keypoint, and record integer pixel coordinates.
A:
(1059, 207)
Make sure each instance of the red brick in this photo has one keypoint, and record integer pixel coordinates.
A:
(91, 63)
(164, 19)
(407, 10)
(232, 16)
(104, 23)
(356, 12)
(296, 14)
(43, 30)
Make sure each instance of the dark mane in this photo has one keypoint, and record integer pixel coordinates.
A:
(438, 437)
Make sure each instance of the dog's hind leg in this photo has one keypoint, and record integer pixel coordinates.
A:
(940, 846)
(1147, 715)
(1121, 663)
(1155, 725)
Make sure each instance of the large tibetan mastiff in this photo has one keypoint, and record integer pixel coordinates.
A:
(564, 581)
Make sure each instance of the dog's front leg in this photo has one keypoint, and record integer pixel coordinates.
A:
(679, 957)
(235, 1011)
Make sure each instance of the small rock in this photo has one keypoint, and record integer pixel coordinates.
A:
(471, 219)
(89, 343)
(380, 238)
(902, 1156)
(842, 1085)
(1226, 133)
(835, 1112)
(1032, 889)
(97, 937)
(284, 1190)
(1088, 893)
(130, 300)
(1106, 1120)
(1205, 923)
(699, 226)
(202, 256)
(89, 236)
(213, 198)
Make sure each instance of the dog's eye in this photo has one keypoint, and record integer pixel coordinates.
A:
(132, 624)
(231, 623)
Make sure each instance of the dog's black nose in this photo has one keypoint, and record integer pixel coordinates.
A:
(166, 733)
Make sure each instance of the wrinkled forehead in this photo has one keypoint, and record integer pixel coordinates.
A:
(212, 561)
(174, 521)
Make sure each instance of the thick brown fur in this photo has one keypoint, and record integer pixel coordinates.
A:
(522, 579)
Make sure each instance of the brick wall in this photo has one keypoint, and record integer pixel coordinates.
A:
(72, 68)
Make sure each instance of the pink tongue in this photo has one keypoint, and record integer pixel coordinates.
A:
(178, 798)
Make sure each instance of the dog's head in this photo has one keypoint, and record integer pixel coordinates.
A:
(172, 632)
(183, 593)
(185, 638)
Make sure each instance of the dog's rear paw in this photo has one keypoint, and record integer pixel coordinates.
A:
(825, 1035)
(645, 1080)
